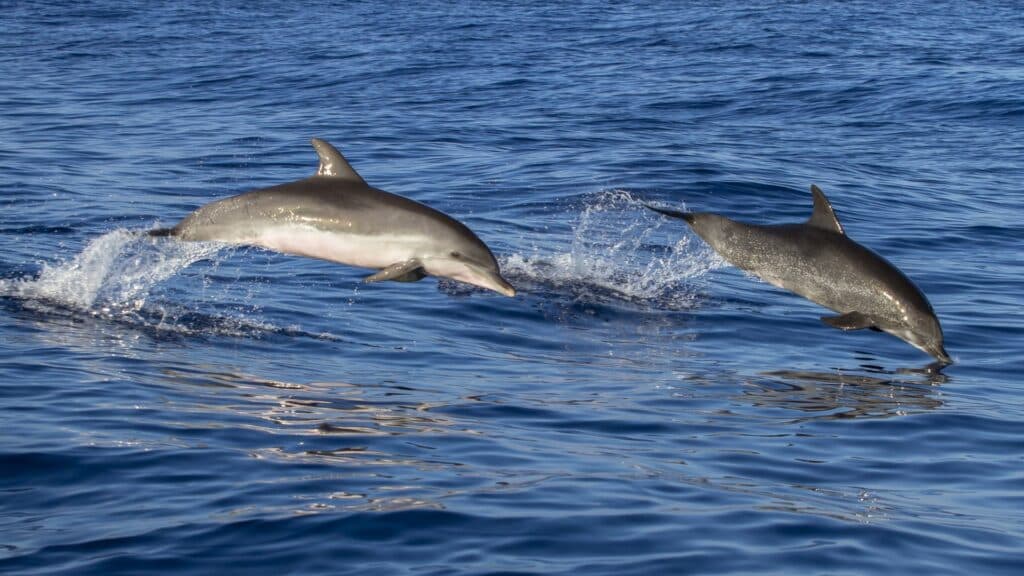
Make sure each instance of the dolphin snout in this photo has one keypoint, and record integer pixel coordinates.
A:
(479, 275)
(503, 287)
(940, 354)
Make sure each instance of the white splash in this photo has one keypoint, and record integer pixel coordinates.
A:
(620, 250)
(119, 277)
(113, 274)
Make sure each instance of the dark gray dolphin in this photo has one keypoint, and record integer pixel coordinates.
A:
(335, 215)
(818, 261)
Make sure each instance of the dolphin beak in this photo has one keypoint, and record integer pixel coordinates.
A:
(940, 354)
(503, 287)
(485, 278)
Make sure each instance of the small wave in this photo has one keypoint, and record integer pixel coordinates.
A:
(620, 251)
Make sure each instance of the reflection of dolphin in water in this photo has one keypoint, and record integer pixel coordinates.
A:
(818, 261)
(335, 215)
(844, 395)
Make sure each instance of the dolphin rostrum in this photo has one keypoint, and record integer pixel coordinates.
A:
(818, 261)
(335, 215)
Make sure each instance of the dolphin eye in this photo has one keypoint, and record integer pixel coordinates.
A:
(456, 255)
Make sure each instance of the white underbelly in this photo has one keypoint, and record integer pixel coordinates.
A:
(376, 251)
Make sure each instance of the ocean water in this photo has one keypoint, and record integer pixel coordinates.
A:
(639, 408)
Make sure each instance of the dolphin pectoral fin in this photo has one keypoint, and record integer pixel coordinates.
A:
(414, 276)
(849, 321)
(409, 271)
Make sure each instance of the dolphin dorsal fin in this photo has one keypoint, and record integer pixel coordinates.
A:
(333, 164)
(823, 216)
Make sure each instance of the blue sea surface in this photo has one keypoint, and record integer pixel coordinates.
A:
(640, 407)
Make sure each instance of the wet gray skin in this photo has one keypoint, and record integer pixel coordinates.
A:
(335, 215)
(818, 261)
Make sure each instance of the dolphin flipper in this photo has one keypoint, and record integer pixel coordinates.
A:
(414, 276)
(849, 321)
(409, 271)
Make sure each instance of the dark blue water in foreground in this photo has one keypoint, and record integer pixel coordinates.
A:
(640, 408)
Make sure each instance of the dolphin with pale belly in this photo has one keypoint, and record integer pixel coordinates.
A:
(335, 215)
(817, 260)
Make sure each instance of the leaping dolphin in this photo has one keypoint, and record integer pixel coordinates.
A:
(335, 215)
(818, 261)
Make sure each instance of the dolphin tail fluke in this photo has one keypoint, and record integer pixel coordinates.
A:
(688, 216)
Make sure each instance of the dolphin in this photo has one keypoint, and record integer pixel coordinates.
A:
(818, 261)
(335, 215)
